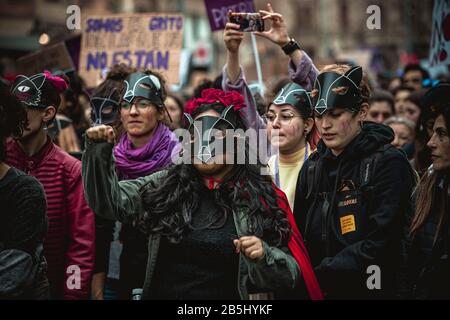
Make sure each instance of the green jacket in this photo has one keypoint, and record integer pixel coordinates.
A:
(121, 200)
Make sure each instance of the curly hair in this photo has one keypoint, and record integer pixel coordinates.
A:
(13, 119)
(114, 86)
(170, 206)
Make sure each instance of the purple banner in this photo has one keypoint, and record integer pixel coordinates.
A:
(218, 11)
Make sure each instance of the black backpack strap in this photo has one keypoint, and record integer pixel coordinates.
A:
(315, 166)
(312, 175)
(368, 165)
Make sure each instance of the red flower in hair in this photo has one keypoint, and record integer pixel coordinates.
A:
(226, 98)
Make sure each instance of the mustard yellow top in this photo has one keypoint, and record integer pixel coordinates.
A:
(289, 168)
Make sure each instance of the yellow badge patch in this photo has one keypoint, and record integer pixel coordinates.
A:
(348, 224)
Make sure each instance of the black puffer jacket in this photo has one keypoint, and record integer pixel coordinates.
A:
(363, 223)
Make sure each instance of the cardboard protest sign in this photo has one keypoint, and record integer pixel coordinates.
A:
(144, 41)
(218, 11)
(440, 41)
(53, 57)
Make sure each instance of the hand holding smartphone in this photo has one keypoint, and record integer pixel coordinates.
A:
(248, 21)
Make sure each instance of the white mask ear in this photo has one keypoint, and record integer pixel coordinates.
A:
(155, 81)
(188, 119)
(38, 80)
(355, 74)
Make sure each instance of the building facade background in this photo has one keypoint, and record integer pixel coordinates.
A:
(328, 30)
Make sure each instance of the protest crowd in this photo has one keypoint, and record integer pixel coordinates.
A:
(326, 186)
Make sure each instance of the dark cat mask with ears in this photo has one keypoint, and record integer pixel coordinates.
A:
(334, 90)
(294, 95)
(28, 89)
(204, 131)
(145, 86)
(104, 109)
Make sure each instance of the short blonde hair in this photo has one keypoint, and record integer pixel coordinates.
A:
(401, 120)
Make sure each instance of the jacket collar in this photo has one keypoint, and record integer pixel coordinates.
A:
(34, 161)
(371, 137)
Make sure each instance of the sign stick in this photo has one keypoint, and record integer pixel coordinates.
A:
(258, 64)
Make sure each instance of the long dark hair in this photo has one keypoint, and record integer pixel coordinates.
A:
(169, 206)
(429, 195)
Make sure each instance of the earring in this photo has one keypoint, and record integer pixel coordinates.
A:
(45, 127)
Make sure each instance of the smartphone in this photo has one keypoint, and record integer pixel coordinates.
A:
(248, 21)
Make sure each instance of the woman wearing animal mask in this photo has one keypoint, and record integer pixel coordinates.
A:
(353, 192)
(217, 229)
(144, 146)
(70, 239)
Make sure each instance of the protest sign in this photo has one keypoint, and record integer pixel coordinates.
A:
(218, 11)
(440, 41)
(52, 58)
(144, 41)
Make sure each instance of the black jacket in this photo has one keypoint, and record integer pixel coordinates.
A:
(23, 226)
(427, 255)
(363, 223)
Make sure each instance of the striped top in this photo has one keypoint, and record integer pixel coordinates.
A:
(69, 245)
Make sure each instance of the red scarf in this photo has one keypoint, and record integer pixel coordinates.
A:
(212, 182)
(299, 252)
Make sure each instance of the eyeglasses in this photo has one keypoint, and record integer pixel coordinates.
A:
(141, 104)
(284, 119)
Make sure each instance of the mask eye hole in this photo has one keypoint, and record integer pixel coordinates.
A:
(23, 88)
(340, 90)
(300, 98)
(107, 110)
(145, 86)
(219, 134)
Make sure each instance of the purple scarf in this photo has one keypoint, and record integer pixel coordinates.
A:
(133, 163)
